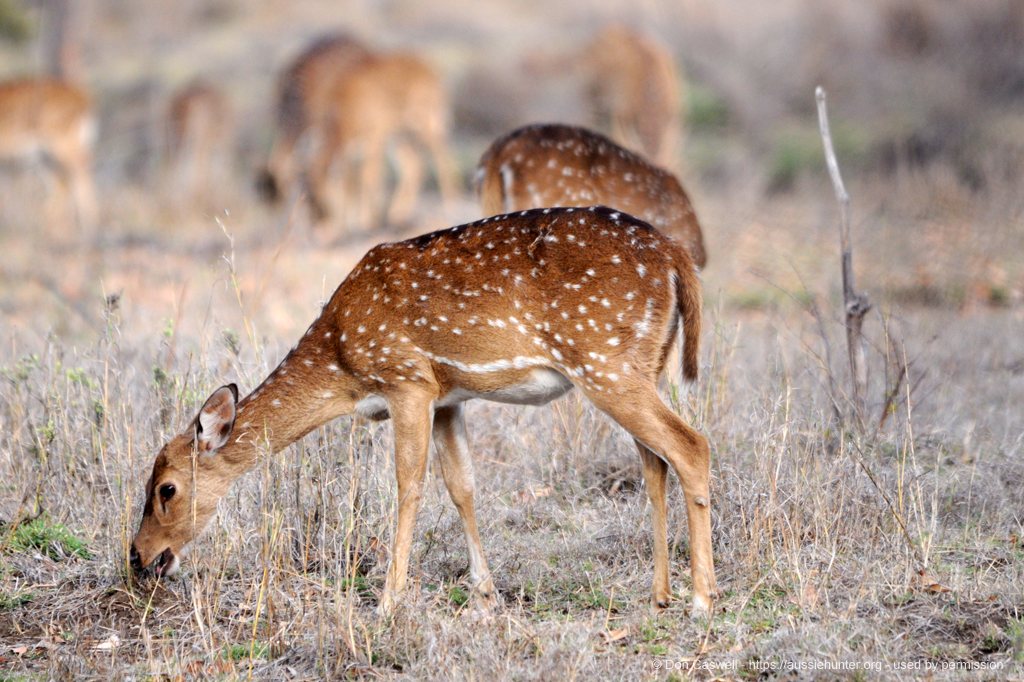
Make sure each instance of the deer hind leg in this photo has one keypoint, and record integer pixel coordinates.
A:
(371, 181)
(275, 180)
(84, 194)
(457, 468)
(410, 414)
(655, 471)
(649, 421)
(319, 169)
(444, 169)
(74, 169)
(409, 171)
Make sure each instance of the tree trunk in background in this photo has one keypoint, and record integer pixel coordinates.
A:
(61, 36)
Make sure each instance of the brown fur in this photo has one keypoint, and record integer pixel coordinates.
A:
(303, 103)
(55, 118)
(198, 133)
(517, 308)
(385, 99)
(561, 165)
(635, 90)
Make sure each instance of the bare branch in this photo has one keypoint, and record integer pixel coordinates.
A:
(855, 304)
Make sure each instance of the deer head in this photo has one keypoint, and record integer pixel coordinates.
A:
(189, 478)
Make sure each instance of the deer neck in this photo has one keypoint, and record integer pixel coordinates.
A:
(307, 390)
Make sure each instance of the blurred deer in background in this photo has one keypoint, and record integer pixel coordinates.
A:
(560, 165)
(304, 101)
(516, 309)
(390, 99)
(633, 89)
(199, 130)
(53, 120)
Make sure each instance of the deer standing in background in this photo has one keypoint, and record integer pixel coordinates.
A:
(390, 99)
(635, 91)
(304, 99)
(561, 165)
(632, 88)
(198, 138)
(517, 309)
(52, 119)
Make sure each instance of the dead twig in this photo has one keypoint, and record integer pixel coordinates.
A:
(856, 304)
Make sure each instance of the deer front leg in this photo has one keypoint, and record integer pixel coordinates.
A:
(410, 414)
(457, 469)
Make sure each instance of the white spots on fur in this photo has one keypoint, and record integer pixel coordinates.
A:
(275, 402)
(614, 341)
(643, 327)
(640, 269)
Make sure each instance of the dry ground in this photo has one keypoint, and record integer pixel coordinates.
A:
(110, 346)
(111, 341)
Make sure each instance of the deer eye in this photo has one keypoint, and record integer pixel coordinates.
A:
(167, 491)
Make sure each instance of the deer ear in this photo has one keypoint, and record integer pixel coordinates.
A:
(216, 419)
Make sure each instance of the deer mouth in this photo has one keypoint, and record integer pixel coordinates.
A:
(164, 565)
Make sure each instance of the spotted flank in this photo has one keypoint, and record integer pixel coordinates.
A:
(592, 295)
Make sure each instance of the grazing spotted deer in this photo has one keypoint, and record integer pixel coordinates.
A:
(304, 99)
(198, 136)
(52, 119)
(385, 99)
(517, 309)
(561, 165)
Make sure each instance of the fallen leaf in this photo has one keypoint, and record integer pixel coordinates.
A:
(19, 649)
(109, 644)
(929, 584)
(615, 635)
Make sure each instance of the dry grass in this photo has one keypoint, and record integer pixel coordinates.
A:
(111, 342)
(811, 559)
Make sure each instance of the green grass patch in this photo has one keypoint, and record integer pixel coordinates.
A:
(12, 600)
(359, 583)
(798, 152)
(1015, 633)
(240, 652)
(767, 298)
(15, 24)
(458, 596)
(706, 110)
(47, 537)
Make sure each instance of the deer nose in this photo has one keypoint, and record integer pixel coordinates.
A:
(136, 560)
